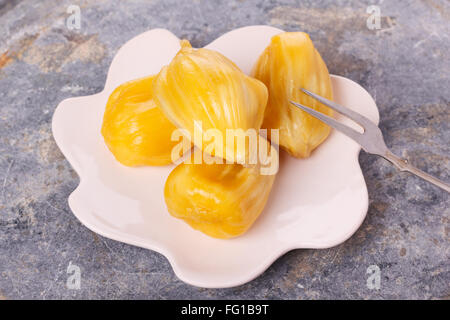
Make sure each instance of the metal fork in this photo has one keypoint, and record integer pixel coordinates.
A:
(371, 140)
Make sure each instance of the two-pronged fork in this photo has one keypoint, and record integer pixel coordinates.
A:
(371, 140)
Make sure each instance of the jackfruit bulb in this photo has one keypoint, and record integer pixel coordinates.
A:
(201, 89)
(134, 128)
(220, 200)
(289, 63)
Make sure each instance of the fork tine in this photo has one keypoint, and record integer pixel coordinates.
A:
(358, 118)
(355, 135)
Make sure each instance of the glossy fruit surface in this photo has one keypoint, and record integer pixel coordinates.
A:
(201, 89)
(220, 200)
(134, 127)
(291, 62)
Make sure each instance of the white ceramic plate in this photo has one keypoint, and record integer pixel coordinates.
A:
(315, 203)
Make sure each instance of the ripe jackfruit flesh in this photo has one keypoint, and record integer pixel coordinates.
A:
(289, 63)
(220, 200)
(134, 127)
(201, 89)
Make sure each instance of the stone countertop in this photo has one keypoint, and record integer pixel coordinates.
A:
(404, 65)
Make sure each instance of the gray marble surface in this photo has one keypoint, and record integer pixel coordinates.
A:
(405, 65)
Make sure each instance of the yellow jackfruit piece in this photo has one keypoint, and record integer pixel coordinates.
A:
(201, 89)
(134, 127)
(220, 200)
(289, 63)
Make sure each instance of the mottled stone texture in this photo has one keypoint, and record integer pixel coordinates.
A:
(405, 66)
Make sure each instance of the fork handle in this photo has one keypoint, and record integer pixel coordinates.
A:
(404, 165)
